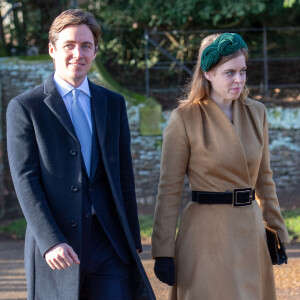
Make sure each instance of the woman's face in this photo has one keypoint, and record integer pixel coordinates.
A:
(227, 80)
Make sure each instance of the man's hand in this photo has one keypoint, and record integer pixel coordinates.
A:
(61, 256)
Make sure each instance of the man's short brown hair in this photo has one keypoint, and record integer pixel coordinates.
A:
(74, 17)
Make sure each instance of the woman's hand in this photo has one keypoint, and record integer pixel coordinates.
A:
(164, 269)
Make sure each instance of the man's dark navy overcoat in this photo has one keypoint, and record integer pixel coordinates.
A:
(47, 171)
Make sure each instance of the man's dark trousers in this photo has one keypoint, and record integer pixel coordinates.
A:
(104, 276)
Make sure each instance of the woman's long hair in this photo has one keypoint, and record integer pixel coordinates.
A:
(199, 87)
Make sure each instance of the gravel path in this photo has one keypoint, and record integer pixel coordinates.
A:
(13, 284)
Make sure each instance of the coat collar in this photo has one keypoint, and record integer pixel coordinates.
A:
(99, 106)
(55, 103)
(98, 102)
(230, 135)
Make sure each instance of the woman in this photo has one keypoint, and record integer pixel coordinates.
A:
(219, 139)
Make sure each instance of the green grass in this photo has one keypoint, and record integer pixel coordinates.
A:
(146, 223)
(39, 57)
(292, 219)
(15, 229)
(110, 83)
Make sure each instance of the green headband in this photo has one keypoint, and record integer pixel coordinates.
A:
(223, 45)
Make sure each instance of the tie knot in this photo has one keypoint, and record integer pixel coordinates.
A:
(75, 94)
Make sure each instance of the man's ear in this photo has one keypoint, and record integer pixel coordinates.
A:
(96, 51)
(207, 75)
(51, 50)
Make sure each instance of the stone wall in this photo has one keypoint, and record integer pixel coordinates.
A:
(146, 152)
(285, 159)
(17, 76)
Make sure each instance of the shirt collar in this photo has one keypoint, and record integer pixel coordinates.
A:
(64, 87)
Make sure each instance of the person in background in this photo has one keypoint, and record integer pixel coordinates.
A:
(69, 155)
(218, 138)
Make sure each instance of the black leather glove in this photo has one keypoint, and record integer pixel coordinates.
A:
(164, 270)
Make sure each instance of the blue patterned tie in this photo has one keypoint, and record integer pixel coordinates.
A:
(82, 129)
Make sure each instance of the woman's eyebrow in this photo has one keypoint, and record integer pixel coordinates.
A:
(232, 69)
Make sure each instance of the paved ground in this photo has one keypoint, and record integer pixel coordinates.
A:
(12, 275)
(13, 285)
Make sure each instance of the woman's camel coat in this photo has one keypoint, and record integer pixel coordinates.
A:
(220, 251)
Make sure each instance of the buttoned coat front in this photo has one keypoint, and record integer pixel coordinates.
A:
(220, 250)
(48, 175)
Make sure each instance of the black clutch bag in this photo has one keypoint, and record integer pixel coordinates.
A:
(276, 248)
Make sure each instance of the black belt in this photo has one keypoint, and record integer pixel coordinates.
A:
(239, 197)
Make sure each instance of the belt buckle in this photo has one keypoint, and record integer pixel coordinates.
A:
(245, 193)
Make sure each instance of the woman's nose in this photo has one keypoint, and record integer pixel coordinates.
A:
(238, 77)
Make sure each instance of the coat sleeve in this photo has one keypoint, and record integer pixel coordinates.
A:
(23, 156)
(174, 161)
(266, 191)
(127, 179)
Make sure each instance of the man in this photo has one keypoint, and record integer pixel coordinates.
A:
(69, 154)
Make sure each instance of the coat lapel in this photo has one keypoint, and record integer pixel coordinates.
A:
(98, 112)
(96, 152)
(99, 108)
(56, 105)
(248, 134)
(227, 136)
(239, 118)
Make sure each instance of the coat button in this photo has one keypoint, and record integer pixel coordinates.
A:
(74, 188)
(88, 215)
(73, 152)
(74, 224)
(90, 190)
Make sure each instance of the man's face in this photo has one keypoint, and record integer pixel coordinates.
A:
(73, 53)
